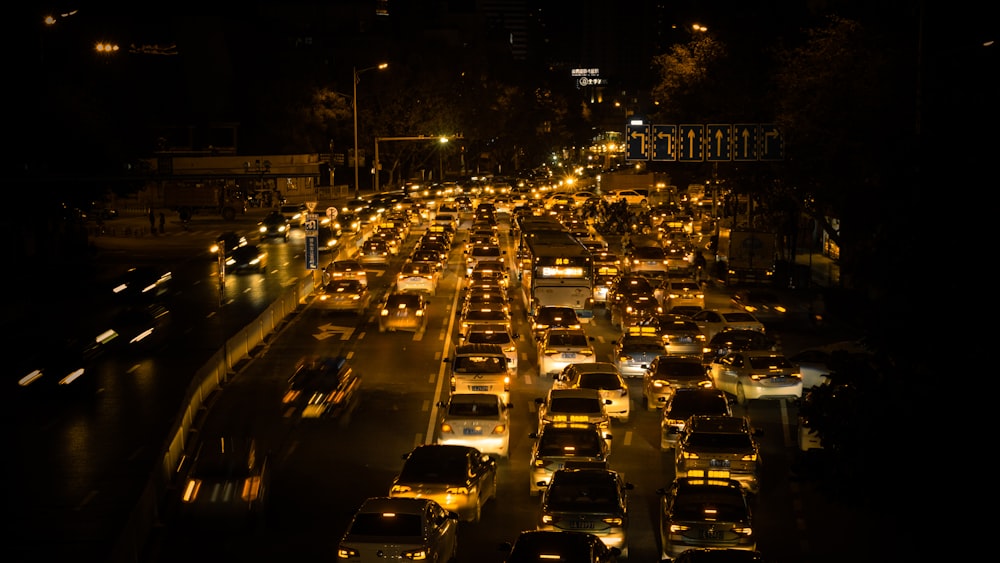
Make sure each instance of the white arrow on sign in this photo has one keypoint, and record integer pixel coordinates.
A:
(329, 330)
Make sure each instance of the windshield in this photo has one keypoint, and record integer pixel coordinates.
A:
(480, 364)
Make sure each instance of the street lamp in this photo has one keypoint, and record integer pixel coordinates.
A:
(354, 103)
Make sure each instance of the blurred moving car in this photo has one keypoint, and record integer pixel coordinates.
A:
(321, 387)
(532, 546)
(738, 340)
(138, 329)
(565, 445)
(343, 295)
(227, 242)
(704, 513)
(227, 482)
(603, 377)
(756, 375)
(274, 225)
(764, 304)
(459, 478)
(402, 311)
(413, 529)
(248, 258)
(714, 446)
(294, 213)
(685, 403)
(666, 374)
(478, 420)
(141, 285)
(560, 347)
(712, 321)
(588, 500)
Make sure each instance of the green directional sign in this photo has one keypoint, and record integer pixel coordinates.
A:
(745, 141)
(717, 142)
(664, 142)
(637, 141)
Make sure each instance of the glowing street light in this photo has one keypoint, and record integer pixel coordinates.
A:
(354, 103)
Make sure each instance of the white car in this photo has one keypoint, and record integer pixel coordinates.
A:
(418, 277)
(756, 374)
(560, 347)
(632, 197)
(605, 378)
(712, 321)
(499, 334)
(479, 420)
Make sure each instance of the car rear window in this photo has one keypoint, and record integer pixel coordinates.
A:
(580, 443)
(575, 405)
(387, 525)
(726, 505)
(600, 381)
(484, 409)
(720, 441)
(479, 364)
(769, 362)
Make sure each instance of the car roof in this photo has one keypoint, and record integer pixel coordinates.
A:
(719, 424)
(594, 367)
(574, 393)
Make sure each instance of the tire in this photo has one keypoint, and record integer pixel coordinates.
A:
(741, 395)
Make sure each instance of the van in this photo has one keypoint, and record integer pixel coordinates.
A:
(480, 368)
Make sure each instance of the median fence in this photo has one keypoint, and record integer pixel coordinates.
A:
(221, 368)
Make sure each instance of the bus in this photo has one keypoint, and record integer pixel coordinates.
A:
(556, 270)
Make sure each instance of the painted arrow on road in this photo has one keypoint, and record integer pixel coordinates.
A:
(329, 330)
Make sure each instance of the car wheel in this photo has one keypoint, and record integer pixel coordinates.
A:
(741, 395)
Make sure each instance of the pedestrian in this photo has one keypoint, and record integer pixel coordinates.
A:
(152, 221)
(163, 223)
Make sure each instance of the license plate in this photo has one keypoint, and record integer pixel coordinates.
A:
(685, 340)
(482, 388)
(582, 525)
(472, 431)
(718, 463)
(711, 534)
(568, 355)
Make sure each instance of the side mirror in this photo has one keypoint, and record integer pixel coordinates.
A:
(441, 404)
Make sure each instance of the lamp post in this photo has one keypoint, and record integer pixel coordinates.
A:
(354, 104)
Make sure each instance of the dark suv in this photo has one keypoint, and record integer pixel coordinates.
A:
(274, 225)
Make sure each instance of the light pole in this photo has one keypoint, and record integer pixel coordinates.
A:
(354, 104)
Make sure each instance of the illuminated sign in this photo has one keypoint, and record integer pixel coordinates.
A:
(589, 72)
(562, 272)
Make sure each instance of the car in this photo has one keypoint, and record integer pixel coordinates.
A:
(347, 269)
(226, 243)
(631, 197)
(651, 259)
(499, 334)
(439, 247)
(550, 316)
(492, 270)
(248, 258)
(681, 294)
(479, 420)
(294, 213)
(627, 285)
(685, 403)
(139, 328)
(666, 374)
(635, 349)
(632, 309)
(479, 368)
(484, 253)
(756, 374)
(591, 500)
(718, 446)
(765, 304)
(418, 276)
(816, 364)
(67, 366)
(532, 546)
(327, 238)
(346, 223)
(375, 251)
(679, 261)
(712, 321)
(719, 555)
(603, 377)
(680, 335)
(574, 406)
(480, 315)
(402, 311)
(343, 295)
(405, 529)
(461, 479)
(141, 285)
(700, 513)
(354, 205)
(565, 445)
(392, 242)
(428, 256)
(321, 387)
(735, 340)
(226, 483)
(274, 225)
(560, 347)
(486, 297)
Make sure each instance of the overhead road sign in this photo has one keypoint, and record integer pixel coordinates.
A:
(637, 142)
(717, 142)
(691, 139)
(664, 142)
